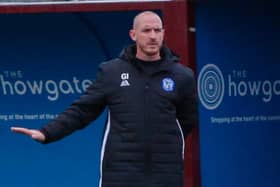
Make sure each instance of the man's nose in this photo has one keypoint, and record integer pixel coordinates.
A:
(152, 34)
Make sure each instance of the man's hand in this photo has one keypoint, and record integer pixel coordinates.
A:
(33, 133)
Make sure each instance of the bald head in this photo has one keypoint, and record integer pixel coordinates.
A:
(148, 34)
(139, 18)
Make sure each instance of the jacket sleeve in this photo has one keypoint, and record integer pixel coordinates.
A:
(80, 113)
(187, 106)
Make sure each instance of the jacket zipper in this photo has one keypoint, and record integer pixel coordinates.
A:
(147, 152)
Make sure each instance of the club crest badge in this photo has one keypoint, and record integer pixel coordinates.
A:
(168, 84)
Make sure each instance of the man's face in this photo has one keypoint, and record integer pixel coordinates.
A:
(148, 35)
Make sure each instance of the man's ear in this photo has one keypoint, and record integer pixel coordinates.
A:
(132, 34)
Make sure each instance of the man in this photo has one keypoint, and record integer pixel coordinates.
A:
(152, 106)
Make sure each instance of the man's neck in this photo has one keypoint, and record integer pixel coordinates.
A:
(148, 58)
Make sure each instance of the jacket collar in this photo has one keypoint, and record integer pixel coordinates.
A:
(168, 57)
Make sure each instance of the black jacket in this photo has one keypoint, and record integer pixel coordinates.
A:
(148, 114)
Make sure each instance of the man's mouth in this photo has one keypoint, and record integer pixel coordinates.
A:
(153, 44)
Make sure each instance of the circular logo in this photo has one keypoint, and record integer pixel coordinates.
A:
(211, 86)
(168, 84)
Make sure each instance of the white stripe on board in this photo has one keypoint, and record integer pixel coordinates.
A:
(52, 2)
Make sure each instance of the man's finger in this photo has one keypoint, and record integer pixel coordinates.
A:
(21, 130)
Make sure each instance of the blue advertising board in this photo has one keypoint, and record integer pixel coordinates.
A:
(238, 67)
(47, 61)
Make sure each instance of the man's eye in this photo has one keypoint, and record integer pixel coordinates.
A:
(158, 30)
(146, 30)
